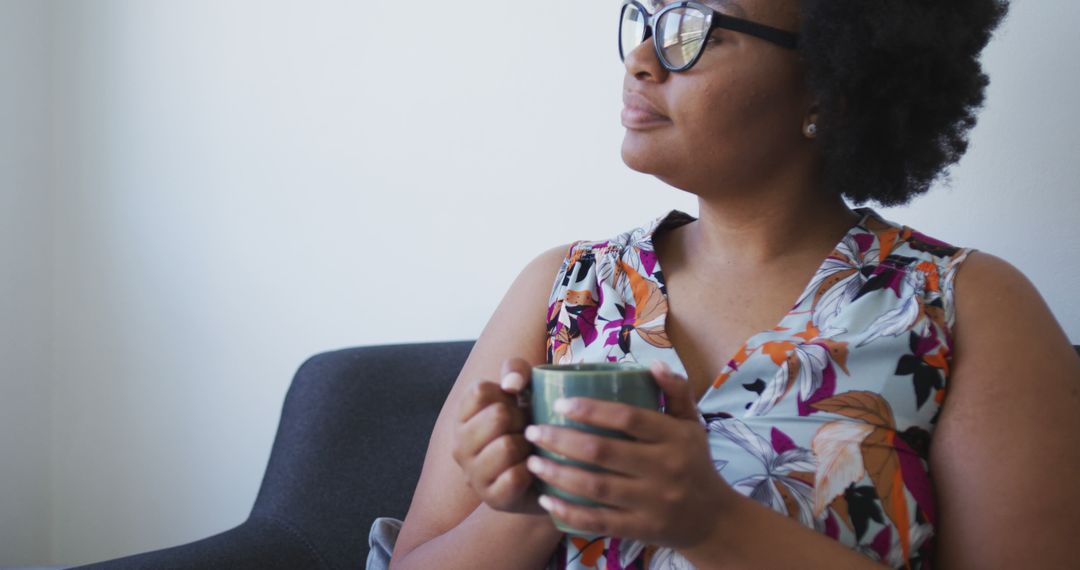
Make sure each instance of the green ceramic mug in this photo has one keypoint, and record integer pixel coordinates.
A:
(629, 383)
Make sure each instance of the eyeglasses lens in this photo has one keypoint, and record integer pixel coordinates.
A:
(682, 34)
(631, 30)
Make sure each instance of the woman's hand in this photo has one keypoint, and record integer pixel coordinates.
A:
(489, 445)
(663, 489)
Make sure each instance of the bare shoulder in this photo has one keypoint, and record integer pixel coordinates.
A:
(1005, 440)
(1000, 314)
(538, 277)
(522, 313)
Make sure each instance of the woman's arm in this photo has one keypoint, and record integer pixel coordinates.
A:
(447, 525)
(752, 536)
(1005, 454)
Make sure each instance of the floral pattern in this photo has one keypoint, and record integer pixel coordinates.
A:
(826, 418)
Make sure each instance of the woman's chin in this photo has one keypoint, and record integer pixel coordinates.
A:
(639, 155)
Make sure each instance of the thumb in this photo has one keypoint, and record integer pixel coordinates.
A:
(515, 374)
(680, 402)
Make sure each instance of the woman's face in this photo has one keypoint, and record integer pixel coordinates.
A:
(731, 120)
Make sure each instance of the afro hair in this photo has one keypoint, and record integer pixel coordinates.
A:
(898, 84)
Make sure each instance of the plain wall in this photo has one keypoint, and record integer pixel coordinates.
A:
(25, 297)
(241, 184)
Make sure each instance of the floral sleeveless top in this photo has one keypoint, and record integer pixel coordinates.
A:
(826, 418)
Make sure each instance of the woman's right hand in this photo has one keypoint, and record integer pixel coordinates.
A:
(489, 442)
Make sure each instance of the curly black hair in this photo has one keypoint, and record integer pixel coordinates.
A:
(898, 85)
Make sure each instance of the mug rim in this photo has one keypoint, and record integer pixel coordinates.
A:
(592, 367)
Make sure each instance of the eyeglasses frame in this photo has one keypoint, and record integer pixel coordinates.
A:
(782, 38)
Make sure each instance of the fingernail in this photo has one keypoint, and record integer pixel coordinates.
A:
(535, 464)
(562, 406)
(546, 502)
(532, 433)
(513, 381)
(660, 368)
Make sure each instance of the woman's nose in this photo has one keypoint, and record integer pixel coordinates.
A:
(643, 63)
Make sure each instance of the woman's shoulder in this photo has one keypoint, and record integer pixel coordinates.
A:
(632, 236)
(1006, 337)
(995, 298)
(634, 243)
(909, 246)
(550, 261)
(980, 290)
(917, 267)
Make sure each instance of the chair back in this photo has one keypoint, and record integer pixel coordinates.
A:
(351, 441)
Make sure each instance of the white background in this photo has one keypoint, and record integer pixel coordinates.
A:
(196, 196)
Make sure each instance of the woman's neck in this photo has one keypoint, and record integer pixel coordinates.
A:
(756, 234)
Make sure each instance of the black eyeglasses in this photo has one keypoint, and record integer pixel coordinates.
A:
(684, 28)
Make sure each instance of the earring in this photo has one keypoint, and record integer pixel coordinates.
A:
(811, 130)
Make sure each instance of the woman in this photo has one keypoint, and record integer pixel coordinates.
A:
(794, 435)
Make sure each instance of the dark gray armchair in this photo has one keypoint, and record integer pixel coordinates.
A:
(338, 462)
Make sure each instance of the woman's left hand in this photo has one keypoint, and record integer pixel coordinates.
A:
(662, 489)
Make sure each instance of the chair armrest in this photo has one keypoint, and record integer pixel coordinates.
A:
(260, 543)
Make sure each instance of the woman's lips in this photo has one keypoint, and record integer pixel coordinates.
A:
(640, 113)
(635, 118)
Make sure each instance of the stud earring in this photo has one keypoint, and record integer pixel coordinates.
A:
(811, 130)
